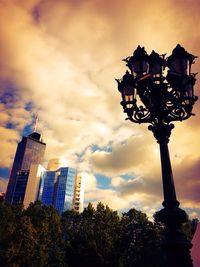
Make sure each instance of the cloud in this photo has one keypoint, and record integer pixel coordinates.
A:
(117, 181)
(131, 156)
(62, 57)
(7, 146)
(188, 173)
(3, 185)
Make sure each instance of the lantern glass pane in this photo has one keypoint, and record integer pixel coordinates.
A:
(144, 67)
(140, 67)
(128, 90)
(156, 68)
(129, 99)
(189, 90)
(175, 66)
(180, 65)
(136, 67)
(184, 62)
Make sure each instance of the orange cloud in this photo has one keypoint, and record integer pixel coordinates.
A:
(63, 56)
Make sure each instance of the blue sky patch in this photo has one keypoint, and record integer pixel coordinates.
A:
(103, 181)
(10, 125)
(28, 129)
(29, 106)
(127, 176)
(10, 93)
(107, 148)
(4, 173)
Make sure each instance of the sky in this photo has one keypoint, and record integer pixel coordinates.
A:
(59, 59)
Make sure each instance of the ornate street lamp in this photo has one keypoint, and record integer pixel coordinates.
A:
(150, 96)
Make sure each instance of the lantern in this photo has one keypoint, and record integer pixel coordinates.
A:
(128, 92)
(156, 64)
(180, 61)
(138, 63)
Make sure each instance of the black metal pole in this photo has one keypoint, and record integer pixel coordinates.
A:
(175, 246)
(167, 177)
(162, 99)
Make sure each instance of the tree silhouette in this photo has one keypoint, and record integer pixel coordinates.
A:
(40, 237)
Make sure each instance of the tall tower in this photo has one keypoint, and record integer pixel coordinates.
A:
(58, 188)
(33, 184)
(61, 187)
(30, 150)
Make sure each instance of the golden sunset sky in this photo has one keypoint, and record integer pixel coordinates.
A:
(60, 59)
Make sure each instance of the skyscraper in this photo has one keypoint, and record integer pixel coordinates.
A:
(33, 184)
(30, 150)
(58, 188)
(61, 188)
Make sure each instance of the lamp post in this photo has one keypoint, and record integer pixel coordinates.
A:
(150, 95)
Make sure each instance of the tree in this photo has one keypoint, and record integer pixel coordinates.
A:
(20, 251)
(6, 216)
(49, 249)
(107, 235)
(17, 237)
(40, 237)
(139, 240)
(8, 248)
(94, 238)
(189, 228)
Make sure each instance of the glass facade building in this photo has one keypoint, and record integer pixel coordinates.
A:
(48, 183)
(65, 189)
(20, 187)
(58, 188)
(30, 150)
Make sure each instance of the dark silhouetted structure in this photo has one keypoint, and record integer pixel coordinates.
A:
(196, 247)
(2, 196)
(149, 96)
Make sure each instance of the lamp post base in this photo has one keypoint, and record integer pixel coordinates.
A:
(175, 246)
